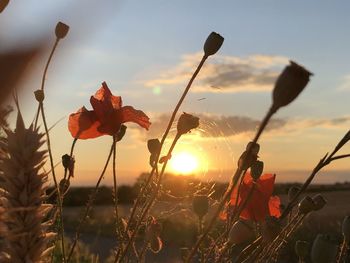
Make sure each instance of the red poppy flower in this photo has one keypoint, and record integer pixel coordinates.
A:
(106, 117)
(261, 202)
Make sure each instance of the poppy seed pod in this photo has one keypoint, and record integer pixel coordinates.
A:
(256, 169)
(323, 250)
(240, 232)
(292, 192)
(302, 249)
(121, 132)
(61, 30)
(346, 229)
(289, 85)
(153, 146)
(319, 202)
(306, 205)
(200, 205)
(212, 44)
(39, 95)
(3, 4)
(186, 123)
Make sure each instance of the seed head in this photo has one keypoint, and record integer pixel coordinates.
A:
(290, 84)
(61, 30)
(213, 44)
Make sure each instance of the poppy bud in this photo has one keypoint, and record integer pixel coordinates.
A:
(292, 192)
(66, 159)
(254, 147)
(61, 30)
(323, 250)
(301, 249)
(213, 44)
(319, 202)
(200, 205)
(346, 228)
(39, 95)
(306, 205)
(186, 123)
(3, 4)
(68, 162)
(240, 232)
(256, 169)
(121, 132)
(289, 84)
(153, 146)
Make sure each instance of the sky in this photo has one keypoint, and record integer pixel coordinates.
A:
(146, 51)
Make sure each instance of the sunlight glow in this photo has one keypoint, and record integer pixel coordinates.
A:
(184, 163)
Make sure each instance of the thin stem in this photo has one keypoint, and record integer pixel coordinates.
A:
(89, 205)
(164, 138)
(44, 78)
(231, 186)
(115, 190)
(59, 199)
(151, 201)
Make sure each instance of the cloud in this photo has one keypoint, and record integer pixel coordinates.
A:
(214, 126)
(345, 83)
(256, 73)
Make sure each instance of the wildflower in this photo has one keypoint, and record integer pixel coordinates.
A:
(153, 146)
(213, 44)
(261, 202)
(290, 84)
(186, 123)
(200, 205)
(106, 118)
(61, 30)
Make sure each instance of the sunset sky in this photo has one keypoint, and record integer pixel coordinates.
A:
(146, 51)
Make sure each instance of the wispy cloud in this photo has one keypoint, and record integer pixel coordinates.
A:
(255, 73)
(214, 126)
(345, 83)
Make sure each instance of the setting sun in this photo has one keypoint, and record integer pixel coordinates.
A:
(184, 163)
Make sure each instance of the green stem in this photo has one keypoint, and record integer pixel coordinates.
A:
(59, 198)
(177, 107)
(89, 205)
(151, 201)
(44, 78)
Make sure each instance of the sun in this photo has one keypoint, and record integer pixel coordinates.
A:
(184, 163)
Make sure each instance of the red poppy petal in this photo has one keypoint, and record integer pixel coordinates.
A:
(129, 114)
(274, 206)
(84, 124)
